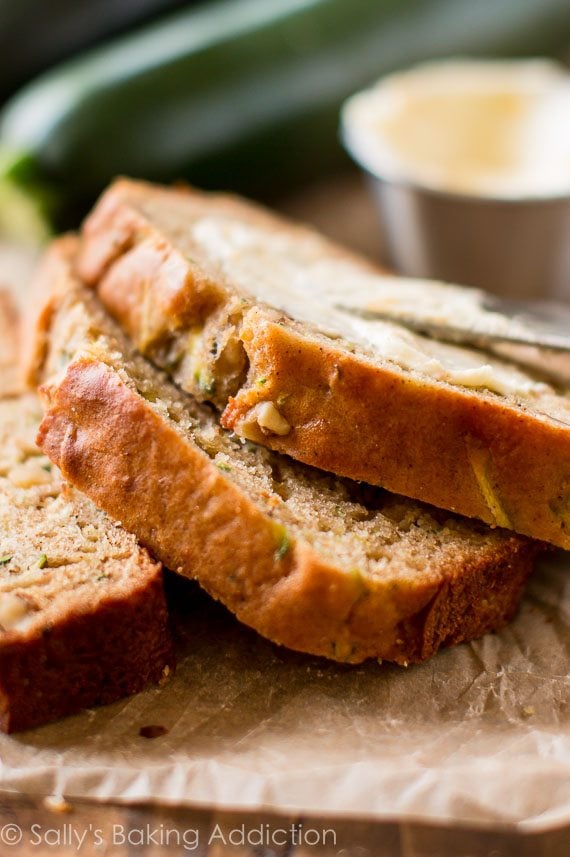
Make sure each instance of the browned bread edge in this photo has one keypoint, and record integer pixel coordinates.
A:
(91, 658)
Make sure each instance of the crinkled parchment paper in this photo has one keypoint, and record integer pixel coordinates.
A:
(479, 733)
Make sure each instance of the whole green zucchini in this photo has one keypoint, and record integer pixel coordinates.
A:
(243, 95)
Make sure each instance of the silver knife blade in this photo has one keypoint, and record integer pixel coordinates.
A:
(535, 334)
(540, 324)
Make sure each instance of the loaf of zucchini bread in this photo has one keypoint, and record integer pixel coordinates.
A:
(240, 308)
(312, 561)
(83, 617)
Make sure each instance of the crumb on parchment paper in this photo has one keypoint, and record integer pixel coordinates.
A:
(57, 804)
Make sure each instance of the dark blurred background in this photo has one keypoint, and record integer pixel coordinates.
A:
(235, 94)
(36, 35)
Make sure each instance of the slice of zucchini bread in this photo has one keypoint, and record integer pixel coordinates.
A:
(314, 562)
(83, 616)
(239, 307)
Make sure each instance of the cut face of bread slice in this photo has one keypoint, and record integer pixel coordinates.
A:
(314, 562)
(238, 306)
(83, 616)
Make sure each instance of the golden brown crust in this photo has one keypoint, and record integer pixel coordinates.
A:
(112, 445)
(473, 454)
(35, 325)
(109, 650)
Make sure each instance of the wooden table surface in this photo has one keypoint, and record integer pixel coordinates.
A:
(29, 826)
